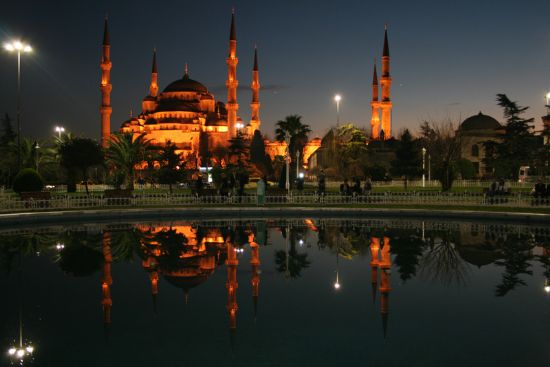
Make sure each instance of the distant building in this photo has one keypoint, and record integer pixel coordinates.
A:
(474, 131)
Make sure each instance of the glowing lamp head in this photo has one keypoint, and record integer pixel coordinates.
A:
(336, 285)
(12, 351)
(17, 46)
(547, 288)
(301, 242)
(337, 98)
(30, 349)
(20, 353)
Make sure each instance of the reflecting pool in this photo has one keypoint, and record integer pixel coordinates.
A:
(300, 292)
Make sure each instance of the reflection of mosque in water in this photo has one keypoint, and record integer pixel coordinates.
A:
(186, 254)
(186, 257)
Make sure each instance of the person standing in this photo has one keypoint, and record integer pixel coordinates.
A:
(260, 191)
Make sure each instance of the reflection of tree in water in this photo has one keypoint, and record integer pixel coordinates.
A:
(80, 256)
(125, 243)
(172, 244)
(443, 263)
(347, 241)
(407, 249)
(291, 262)
(11, 246)
(516, 253)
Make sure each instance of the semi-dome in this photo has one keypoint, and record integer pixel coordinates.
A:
(186, 84)
(480, 122)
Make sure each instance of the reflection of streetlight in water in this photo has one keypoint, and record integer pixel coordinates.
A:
(337, 282)
(23, 350)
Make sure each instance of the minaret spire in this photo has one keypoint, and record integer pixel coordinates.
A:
(385, 82)
(105, 86)
(232, 83)
(154, 87)
(255, 86)
(375, 106)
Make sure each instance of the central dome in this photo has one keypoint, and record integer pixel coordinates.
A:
(186, 84)
(480, 122)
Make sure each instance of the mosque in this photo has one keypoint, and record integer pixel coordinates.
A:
(186, 107)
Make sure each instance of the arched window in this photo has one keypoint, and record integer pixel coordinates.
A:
(475, 150)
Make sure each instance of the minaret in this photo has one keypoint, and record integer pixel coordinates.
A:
(232, 83)
(154, 87)
(106, 87)
(107, 280)
(149, 103)
(255, 263)
(374, 250)
(375, 106)
(385, 83)
(232, 262)
(255, 86)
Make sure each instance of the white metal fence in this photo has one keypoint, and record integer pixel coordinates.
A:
(13, 204)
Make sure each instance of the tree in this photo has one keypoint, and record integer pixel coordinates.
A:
(124, 153)
(518, 145)
(204, 149)
(8, 134)
(352, 151)
(292, 125)
(238, 150)
(79, 154)
(171, 165)
(443, 145)
(407, 162)
(258, 157)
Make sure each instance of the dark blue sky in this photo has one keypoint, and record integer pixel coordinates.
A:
(448, 59)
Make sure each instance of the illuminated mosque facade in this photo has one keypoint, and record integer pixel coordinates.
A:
(185, 108)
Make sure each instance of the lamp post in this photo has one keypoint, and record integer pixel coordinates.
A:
(36, 147)
(337, 99)
(18, 47)
(548, 103)
(287, 184)
(59, 130)
(429, 168)
(423, 167)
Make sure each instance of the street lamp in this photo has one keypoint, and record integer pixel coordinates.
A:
(287, 183)
(337, 99)
(239, 126)
(423, 167)
(18, 47)
(548, 103)
(59, 130)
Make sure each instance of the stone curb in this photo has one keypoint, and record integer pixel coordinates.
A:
(121, 215)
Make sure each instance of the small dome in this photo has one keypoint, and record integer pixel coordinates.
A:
(480, 122)
(186, 84)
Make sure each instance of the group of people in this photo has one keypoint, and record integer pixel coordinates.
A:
(354, 190)
(345, 188)
(499, 188)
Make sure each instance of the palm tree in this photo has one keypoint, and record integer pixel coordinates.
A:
(298, 131)
(124, 153)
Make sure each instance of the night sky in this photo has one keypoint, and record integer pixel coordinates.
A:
(448, 59)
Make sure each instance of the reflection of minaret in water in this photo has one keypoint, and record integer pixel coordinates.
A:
(151, 264)
(374, 250)
(255, 263)
(106, 300)
(232, 262)
(385, 283)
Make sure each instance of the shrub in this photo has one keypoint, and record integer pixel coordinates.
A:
(28, 180)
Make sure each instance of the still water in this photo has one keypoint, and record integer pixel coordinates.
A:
(303, 292)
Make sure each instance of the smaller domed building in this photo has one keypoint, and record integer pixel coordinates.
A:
(474, 131)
